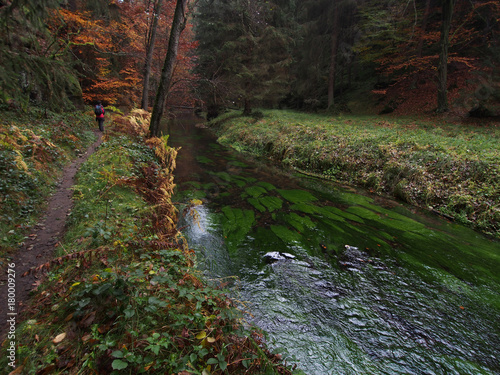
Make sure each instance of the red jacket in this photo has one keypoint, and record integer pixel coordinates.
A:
(102, 114)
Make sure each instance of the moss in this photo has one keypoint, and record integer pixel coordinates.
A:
(286, 235)
(236, 224)
(204, 160)
(255, 191)
(271, 203)
(297, 196)
(266, 185)
(301, 223)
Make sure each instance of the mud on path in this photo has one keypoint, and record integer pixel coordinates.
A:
(39, 247)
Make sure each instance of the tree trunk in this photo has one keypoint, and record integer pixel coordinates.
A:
(442, 97)
(150, 45)
(333, 58)
(247, 109)
(178, 25)
(71, 6)
(425, 22)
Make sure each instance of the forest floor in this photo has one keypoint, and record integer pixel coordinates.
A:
(39, 248)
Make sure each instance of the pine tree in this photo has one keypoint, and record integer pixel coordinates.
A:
(244, 52)
(444, 42)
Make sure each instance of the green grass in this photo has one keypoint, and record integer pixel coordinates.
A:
(449, 168)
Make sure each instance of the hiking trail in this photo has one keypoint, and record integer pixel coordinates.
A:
(39, 245)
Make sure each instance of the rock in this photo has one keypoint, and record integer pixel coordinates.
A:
(276, 256)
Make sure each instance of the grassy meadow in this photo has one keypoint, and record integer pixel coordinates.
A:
(447, 167)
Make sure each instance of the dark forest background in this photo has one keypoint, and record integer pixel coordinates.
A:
(358, 56)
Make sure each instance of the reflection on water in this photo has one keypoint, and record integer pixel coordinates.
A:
(373, 287)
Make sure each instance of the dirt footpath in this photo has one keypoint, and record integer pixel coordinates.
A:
(38, 248)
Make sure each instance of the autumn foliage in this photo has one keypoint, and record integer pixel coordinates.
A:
(109, 50)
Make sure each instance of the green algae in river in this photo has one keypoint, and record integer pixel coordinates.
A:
(271, 203)
(204, 160)
(215, 146)
(256, 203)
(266, 203)
(237, 163)
(266, 185)
(192, 184)
(227, 178)
(301, 223)
(363, 212)
(305, 208)
(236, 224)
(193, 193)
(297, 196)
(286, 235)
(255, 191)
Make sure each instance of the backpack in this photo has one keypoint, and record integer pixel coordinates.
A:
(98, 110)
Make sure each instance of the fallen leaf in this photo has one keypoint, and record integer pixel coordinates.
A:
(88, 319)
(69, 317)
(59, 338)
(86, 337)
(201, 335)
(18, 370)
(103, 329)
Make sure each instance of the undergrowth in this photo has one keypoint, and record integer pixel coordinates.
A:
(448, 168)
(34, 147)
(122, 296)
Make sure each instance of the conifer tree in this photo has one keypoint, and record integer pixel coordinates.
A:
(442, 96)
(244, 52)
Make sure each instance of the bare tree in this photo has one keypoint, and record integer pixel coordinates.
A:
(178, 25)
(150, 45)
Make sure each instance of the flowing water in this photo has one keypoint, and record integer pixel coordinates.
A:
(342, 282)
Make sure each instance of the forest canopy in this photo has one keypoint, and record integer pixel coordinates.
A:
(66, 53)
(345, 56)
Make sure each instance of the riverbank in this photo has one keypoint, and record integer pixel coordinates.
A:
(449, 168)
(121, 293)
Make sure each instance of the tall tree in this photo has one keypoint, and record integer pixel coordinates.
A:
(333, 55)
(244, 51)
(324, 52)
(150, 45)
(178, 24)
(444, 42)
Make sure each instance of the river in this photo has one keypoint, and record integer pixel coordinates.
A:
(341, 281)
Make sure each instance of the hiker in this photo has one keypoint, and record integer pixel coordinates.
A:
(99, 115)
